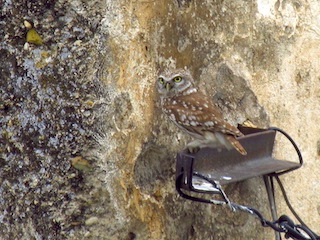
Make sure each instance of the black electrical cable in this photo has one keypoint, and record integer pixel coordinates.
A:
(292, 230)
(295, 147)
(268, 181)
(284, 224)
(303, 225)
(178, 183)
(285, 196)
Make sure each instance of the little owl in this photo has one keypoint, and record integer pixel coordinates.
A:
(194, 113)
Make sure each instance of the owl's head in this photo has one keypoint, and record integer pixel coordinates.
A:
(171, 83)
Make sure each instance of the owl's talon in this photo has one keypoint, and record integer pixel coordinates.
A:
(193, 149)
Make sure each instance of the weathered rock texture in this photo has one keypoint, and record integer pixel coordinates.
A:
(88, 92)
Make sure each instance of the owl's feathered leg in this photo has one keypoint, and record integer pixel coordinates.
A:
(209, 141)
(196, 145)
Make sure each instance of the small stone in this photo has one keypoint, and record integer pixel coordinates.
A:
(86, 113)
(77, 43)
(91, 221)
(26, 46)
(89, 103)
(10, 123)
(72, 175)
(80, 163)
(27, 24)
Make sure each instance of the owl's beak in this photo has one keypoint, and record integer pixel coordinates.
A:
(168, 86)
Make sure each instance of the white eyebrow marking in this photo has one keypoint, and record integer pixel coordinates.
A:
(189, 91)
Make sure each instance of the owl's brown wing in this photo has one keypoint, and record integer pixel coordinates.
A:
(196, 113)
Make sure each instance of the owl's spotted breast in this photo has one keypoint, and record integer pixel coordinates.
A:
(196, 110)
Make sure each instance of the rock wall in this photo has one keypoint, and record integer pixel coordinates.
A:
(87, 154)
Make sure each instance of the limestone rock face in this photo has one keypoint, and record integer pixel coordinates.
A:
(86, 152)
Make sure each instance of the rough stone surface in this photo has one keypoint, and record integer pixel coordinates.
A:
(87, 94)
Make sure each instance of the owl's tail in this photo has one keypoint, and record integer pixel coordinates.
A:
(236, 144)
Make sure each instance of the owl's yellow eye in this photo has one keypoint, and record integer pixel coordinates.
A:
(177, 79)
(161, 80)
